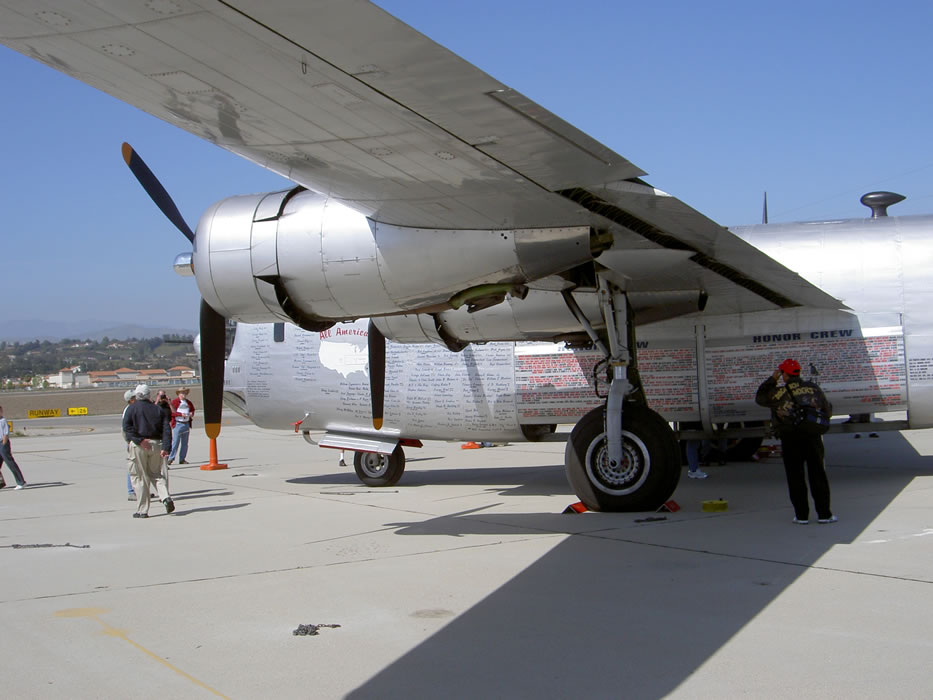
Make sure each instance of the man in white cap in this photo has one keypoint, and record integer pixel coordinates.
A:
(130, 397)
(149, 430)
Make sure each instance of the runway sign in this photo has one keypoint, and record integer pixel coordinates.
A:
(44, 413)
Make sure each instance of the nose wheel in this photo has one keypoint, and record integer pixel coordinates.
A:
(377, 470)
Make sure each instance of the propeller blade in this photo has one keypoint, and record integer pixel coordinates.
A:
(155, 190)
(377, 373)
(213, 347)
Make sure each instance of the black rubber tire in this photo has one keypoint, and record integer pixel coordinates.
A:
(379, 470)
(534, 432)
(651, 467)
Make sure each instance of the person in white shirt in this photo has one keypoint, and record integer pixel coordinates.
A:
(182, 419)
(6, 453)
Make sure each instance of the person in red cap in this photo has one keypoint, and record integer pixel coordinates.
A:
(798, 446)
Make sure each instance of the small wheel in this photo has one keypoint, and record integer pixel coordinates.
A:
(736, 449)
(743, 449)
(379, 470)
(650, 467)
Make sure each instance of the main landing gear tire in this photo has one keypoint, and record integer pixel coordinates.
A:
(650, 467)
(379, 470)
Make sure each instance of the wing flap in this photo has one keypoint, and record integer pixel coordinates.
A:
(715, 252)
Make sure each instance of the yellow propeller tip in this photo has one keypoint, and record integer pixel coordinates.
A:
(377, 423)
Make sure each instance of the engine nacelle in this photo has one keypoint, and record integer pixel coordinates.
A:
(541, 315)
(298, 256)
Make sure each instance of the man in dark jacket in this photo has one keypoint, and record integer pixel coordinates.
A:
(149, 431)
(798, 447)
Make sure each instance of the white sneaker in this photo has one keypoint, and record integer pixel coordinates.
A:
(697, 474)
(830, 519)
(800, 522)
(18, 487)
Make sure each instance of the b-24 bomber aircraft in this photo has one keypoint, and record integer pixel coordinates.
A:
(453, 212)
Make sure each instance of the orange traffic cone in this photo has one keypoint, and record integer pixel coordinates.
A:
(470, 446)
(213, 464)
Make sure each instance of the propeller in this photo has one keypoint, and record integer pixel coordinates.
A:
(377, 372)
(213, 346)
(213, 326)
(156, 192)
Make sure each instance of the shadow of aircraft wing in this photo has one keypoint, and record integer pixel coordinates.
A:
(619, 609)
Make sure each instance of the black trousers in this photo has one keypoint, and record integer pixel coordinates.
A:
(6, 457)
(800, 450)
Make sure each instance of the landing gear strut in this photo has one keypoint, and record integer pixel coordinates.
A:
(623, 456)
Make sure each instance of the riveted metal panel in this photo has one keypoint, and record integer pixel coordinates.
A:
(544, 251)
(409, 328)
(539, 316)
(424, 266)
(299, 252)
(222, 259)
(350, 268)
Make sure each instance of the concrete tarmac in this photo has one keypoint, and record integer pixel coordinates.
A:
(463, 581)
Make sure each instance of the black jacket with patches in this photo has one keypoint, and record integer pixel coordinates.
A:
(782, 399)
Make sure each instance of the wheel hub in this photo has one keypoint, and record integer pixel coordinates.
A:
(375, 465)
(622, 478)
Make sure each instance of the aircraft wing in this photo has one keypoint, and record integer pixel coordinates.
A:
(344, 99)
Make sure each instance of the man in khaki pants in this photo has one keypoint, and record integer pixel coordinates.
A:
(149, 431)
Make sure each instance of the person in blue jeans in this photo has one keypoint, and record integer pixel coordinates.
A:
(130, 397)
(182, 419)
(6, 454)
(692, 450)
(693, 460)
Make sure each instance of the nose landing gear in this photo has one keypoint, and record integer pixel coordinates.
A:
(375, 469)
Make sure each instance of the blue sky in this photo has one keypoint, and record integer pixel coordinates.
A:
(816, 102)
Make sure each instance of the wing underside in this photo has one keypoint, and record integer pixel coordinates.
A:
(346, 100)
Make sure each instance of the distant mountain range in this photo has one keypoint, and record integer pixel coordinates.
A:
(26, 331)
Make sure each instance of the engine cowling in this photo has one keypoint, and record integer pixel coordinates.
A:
(299, 256)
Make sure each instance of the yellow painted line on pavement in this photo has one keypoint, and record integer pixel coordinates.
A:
(94, 614)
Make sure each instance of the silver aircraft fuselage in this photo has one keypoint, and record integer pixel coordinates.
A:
(876, 358)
